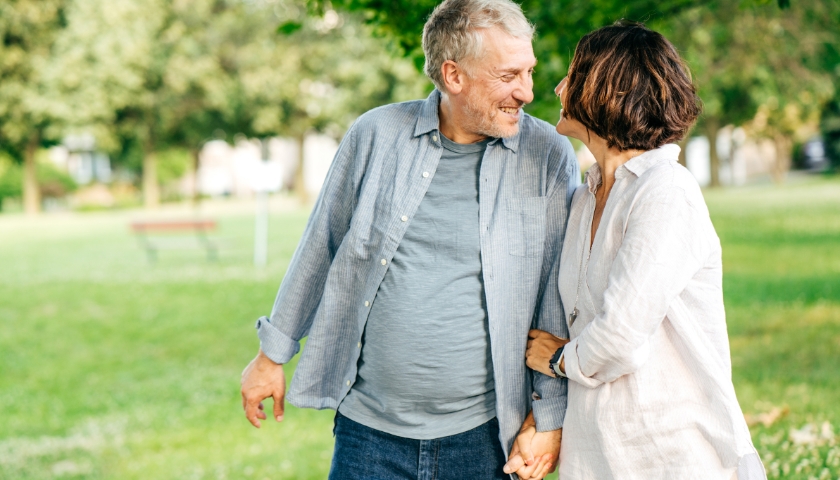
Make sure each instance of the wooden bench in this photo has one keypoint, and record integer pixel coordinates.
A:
(158, 235)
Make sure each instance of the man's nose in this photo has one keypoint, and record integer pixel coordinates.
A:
(525, 91)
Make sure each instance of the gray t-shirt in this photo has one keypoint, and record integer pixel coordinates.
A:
(425, 369)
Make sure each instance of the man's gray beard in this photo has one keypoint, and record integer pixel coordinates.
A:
(484, 125)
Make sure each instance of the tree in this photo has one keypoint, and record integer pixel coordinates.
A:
(150, 73)
(160, 74)
(559, 26)
(789, 83)
(28, 29)
(830, 127)
(319, 76)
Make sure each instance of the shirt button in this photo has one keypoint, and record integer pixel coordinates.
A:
(367, 304)
(383, 262)
(348, 383)
(425, 174)
(404, 218)
(359, 344)
(434, 137)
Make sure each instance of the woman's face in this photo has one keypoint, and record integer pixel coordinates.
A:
(566, 126)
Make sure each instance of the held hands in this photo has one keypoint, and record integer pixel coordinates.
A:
(534, 454)
(541, 347)
(262, 378)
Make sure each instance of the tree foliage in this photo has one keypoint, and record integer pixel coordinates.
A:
(149, 75)
(560, 24)
(769, 64)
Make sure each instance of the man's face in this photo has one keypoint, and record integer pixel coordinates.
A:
(498, 85)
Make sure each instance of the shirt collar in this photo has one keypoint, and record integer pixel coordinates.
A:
(429, 121)
(641, 163)
(636, 165)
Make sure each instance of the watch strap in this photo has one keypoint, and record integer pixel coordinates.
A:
(554, 363)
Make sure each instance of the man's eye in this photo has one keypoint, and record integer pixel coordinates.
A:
(508, 78)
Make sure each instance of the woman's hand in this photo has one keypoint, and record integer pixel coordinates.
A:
(541, 347)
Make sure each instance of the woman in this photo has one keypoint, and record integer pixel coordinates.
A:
(650, 389)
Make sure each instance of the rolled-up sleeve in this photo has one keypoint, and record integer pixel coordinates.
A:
(661, 251)
(550, 399)
(303, 285)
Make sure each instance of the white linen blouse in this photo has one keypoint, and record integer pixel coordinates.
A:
(650, 383)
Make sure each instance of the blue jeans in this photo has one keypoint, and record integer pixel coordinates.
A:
(362, 453)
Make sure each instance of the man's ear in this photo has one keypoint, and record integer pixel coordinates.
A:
(453, 77)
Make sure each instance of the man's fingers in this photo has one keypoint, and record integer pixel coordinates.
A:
(527, 454)
(538, 470)
(527, 471)
(278, 407)
(251, 413)
(514, 463)
(514, 450)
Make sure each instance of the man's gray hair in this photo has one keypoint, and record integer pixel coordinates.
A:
(453, 31)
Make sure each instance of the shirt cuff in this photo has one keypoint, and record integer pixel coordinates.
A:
(549, 413)
(276, 345)
(572, 366)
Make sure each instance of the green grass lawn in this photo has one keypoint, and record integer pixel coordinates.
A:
(114, 368)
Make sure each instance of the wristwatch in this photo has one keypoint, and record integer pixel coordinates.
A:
(554, 363)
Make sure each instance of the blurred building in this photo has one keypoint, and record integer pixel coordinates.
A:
(252, 165)
(77, 155)
(742, 159)
(814, 156)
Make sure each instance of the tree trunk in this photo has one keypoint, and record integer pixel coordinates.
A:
(714, 161)
(31, 191)
(781, 166)
(196, 193)
(151, 191)
(300, 185)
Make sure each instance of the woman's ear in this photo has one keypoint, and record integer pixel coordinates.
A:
(453, 77)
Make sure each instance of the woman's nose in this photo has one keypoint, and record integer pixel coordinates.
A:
(558, 90)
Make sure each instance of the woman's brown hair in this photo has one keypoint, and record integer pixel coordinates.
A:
(628, 85)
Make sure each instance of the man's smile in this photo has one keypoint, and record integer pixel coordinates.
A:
(514, 111)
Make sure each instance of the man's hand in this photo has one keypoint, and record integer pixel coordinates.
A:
(534, 454)
(541, 347)
(262, 378)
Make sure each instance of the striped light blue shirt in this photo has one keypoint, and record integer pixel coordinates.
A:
(377, 180)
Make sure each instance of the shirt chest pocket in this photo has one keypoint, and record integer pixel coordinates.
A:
(526, 226)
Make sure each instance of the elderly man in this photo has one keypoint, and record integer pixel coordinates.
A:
(433, 249)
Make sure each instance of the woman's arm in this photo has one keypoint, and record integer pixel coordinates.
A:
(666, 243)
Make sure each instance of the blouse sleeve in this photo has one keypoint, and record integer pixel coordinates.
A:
(664, 246)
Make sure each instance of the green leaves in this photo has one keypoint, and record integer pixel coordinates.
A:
(288, 28)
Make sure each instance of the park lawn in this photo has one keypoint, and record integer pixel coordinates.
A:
(114, 368)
